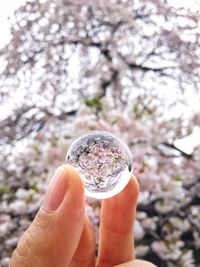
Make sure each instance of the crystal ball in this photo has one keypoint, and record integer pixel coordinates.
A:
(103, 161)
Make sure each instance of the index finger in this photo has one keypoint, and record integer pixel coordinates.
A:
(116, 243)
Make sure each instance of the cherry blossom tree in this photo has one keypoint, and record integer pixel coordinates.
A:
(131, 68)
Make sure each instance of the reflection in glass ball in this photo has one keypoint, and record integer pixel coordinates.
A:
(103, 162)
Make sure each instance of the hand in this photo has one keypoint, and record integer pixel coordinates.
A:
(61, 234)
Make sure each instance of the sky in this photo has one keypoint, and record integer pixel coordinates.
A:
(191, 4)
(8, 7)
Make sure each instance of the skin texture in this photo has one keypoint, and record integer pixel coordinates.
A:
(61, 235)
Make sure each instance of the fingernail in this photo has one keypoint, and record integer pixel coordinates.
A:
(56, 190)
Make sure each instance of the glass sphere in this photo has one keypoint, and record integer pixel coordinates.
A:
(103, 161)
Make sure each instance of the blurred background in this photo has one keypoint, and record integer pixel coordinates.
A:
(128, 67)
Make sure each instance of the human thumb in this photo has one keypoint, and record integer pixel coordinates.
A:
(53, 236)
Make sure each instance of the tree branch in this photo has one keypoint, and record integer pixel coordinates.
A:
(132, 65)
(172, 146)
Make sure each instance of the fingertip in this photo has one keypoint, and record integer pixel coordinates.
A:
(75, 190)
(134, 186)
(65, 183)
(130, 193)
(73, 175)
(126, 203)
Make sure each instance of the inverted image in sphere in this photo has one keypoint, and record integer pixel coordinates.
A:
(103, 161)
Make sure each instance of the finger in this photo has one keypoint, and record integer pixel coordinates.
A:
(53, 237)
(85, 253)
(116, 227)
